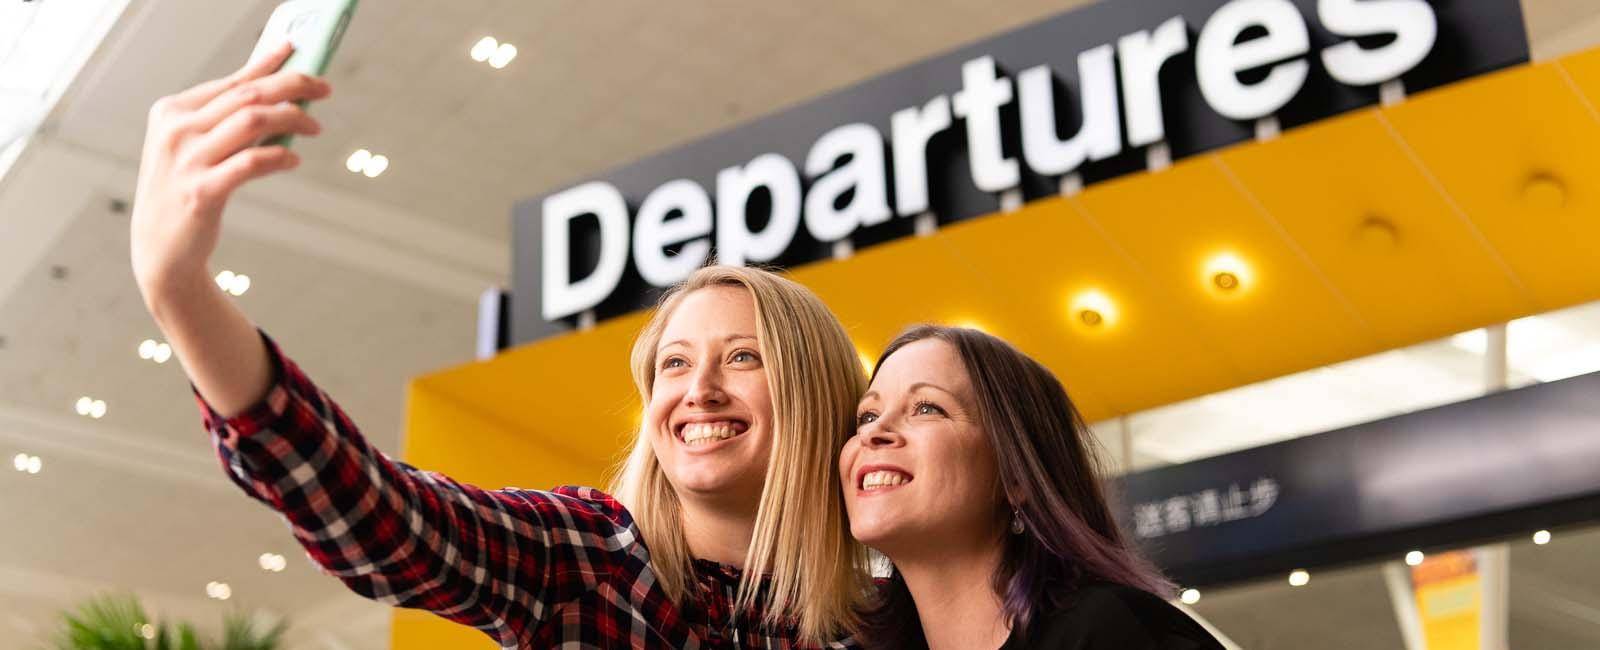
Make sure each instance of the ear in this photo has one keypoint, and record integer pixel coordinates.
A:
(1014, 495)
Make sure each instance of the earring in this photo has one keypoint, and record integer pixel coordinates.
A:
(1016, 522)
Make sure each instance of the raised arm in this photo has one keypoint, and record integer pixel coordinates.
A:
(197, 151)
(391, 532)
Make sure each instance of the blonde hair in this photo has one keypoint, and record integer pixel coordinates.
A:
(818, 572)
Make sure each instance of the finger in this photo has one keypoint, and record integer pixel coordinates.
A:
(200, 95)
(273, 89)
(219, 182)
(248, 126)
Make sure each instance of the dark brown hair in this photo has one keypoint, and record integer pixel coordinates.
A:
(1049, 473)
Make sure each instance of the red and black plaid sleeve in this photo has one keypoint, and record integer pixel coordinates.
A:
(494, 560)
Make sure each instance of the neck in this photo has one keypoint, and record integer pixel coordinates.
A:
(718, 533)
(955, 597)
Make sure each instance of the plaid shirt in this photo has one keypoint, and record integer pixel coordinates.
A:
(565, 568)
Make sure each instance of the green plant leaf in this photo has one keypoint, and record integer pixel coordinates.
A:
(105, 622)
(239, 632)
(115, 622)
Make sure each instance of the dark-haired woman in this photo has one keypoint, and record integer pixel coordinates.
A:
(970, 471)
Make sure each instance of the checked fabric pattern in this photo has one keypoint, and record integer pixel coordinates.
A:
(565, 568)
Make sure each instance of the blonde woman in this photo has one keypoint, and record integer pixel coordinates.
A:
(720, 533)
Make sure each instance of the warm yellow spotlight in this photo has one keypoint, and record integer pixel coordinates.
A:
(1094, 309)
(867, 361)
(1227, 273)
(970, 324)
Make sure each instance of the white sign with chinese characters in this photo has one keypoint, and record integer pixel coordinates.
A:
(1204, 509)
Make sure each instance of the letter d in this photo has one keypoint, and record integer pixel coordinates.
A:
(563, 297)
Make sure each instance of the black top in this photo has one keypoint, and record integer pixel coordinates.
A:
(1100, 616)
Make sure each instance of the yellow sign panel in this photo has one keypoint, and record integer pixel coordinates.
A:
(1449, 597)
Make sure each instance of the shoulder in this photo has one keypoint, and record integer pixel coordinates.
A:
(1103, 615)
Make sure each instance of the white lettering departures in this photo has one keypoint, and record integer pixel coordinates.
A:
(1204, 509)
(850, 159)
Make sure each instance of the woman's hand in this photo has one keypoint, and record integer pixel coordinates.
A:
(199, 148)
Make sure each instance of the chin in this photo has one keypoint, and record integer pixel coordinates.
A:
(874, 532)
(719, 477)
(706, 482)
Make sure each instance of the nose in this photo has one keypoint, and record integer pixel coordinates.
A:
(879, 435)
(705, 391)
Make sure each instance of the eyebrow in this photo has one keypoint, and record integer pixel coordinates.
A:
(924, 384)
(914, 388)
(731, 338)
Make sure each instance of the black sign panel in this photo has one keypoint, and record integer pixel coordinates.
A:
(1507, 463)
(1472, 37)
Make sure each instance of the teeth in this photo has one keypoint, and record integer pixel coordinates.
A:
(699, 433)
(883, 478)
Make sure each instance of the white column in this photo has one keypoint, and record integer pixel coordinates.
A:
(1496, 369)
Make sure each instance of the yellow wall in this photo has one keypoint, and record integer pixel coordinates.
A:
(455, 438)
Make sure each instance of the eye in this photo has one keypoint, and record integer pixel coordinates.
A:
(928, 408)
(744, 356)
(673, 362)
(865, 418)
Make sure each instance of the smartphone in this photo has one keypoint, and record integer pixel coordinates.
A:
(315, 27)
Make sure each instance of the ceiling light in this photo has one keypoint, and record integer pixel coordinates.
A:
(219, 590)
(1227, 273)
(357, 161)
(1093, 308)
(233, 283)
(1542, 537)
(376, 166)
(1299, 578)
(272, 562)
(155, 351)
(1414, 558)
(485, 48)
(503, 56)
(1190, 596)
(90, 407)
(1376, 234)
(27, 464)
(1544, 193)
